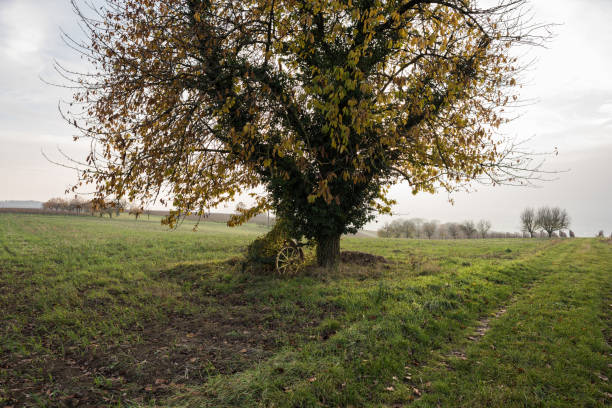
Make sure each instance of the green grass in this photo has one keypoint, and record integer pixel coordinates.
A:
(126, 313)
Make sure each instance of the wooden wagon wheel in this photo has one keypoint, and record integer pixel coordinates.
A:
(289, 258)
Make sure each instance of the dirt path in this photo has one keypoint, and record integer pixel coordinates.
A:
(484, 325)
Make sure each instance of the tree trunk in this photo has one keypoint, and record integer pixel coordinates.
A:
(328, 251)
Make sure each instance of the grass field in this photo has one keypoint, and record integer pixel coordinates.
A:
(99, 312)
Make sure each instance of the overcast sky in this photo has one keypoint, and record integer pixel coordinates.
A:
(571, 82)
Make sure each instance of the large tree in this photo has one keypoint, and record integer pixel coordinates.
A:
(320, 105)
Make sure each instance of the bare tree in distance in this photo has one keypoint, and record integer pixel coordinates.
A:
(529, 222)
(76, 204)
(136, 211)
(120, 206)
(453, 230)
(600, 234)
(442, 231)
(571, 234)
(468, 227)
(56, 204)
(429, 228)
(418, 227)
(89, 207)
(552, 219)
(483, 228)
(410, 229)
(47, 205)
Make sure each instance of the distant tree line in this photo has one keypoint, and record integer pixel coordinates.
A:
(419, 228)
(543, 222)
(79, 206)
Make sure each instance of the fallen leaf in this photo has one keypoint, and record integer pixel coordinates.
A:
(390, 388)
(160, 381)
(602, 377)
(312, 379)
(243, 350)
(416, 391)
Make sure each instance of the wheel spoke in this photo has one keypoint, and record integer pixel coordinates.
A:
(288, 260)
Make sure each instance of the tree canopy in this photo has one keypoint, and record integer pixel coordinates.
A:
(320, 104)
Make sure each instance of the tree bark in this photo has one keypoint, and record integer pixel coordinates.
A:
(328, 251)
